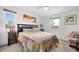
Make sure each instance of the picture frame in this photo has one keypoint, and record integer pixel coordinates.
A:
(29, 18)
(70, 20)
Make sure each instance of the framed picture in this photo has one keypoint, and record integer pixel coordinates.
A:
(28, 18)
(70, 20)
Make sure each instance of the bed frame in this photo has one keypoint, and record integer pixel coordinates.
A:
(20, 27)
(28, 26)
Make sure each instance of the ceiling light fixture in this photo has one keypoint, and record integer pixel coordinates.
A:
(45, 8)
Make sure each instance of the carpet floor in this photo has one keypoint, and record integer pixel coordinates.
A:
(63, 47)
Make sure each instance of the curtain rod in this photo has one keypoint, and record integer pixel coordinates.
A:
(9, 10)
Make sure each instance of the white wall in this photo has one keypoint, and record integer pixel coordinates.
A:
(19, 20)
(63, 30)
(3, 32)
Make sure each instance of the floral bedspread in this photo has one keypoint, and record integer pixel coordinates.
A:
(38, 41)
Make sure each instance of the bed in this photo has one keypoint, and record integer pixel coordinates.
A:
(35, 40)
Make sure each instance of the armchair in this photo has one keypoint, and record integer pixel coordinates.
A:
(73, 38)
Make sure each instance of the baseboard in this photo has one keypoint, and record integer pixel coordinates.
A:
(3, 45)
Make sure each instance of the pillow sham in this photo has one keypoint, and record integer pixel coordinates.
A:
(36, 29)
(27, 30)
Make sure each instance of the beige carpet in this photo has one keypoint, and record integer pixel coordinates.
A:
(63, 47)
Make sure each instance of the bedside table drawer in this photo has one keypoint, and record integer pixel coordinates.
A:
(12, 37)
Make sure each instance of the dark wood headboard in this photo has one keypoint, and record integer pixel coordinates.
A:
(20, 27)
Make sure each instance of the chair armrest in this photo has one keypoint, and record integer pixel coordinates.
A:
(72, 39)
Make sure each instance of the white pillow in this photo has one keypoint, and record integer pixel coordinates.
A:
(27, 30)
(35, 29)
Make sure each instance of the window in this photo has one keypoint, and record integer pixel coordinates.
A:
(10, 18)
(54, 22)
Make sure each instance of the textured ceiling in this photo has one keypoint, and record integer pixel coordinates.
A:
(39, 11)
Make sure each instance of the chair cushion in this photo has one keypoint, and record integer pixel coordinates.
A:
(74, 35)
(74, 39)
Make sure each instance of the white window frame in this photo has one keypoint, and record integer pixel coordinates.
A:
(7, 21)
(54, 25)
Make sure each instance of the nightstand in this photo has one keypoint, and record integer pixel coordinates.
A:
(12, 38)
(41, 29)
